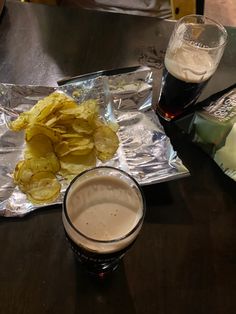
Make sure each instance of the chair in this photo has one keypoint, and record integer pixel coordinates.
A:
(181, 8)
(175, 9)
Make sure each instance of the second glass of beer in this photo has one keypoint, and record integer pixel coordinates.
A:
(193, 54)
(103, 212)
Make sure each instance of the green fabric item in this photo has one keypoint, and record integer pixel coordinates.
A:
(214, 129)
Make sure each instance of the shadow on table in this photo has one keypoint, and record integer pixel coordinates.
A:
(166, 205)
(110, 295)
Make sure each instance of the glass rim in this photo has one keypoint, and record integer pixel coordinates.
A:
(116, 239)
(206, 18)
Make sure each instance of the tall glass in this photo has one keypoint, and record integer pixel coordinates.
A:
(103, 212)
(193, 55)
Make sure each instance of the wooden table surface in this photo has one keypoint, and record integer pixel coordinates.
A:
(184, 260)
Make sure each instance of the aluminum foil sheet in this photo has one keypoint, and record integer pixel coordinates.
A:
(145, 151)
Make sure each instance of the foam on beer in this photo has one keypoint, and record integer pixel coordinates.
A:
(102, 208)
(190, 64)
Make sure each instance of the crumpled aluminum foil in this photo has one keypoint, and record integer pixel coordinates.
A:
(145, 151)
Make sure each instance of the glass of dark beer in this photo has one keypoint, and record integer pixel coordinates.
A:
(193, 54)
(103, 212)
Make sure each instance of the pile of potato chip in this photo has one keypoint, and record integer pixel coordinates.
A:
(62, 138)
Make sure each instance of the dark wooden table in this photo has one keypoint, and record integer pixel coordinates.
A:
(185, 258)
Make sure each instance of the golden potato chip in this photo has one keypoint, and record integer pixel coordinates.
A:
(22, 174)
(106, 142)
(89, 110)
(97, 123)
(27, 168)
(60, 128)
(79, 150)
(43, 188)
(74, 142)
(73, 165)
(54, 162)
(72, 135)
(61, 138)
(38, 146)
(70, 112)
(76, 146)
(82, 150)
(20, 123)
(51, 121)
(37, 128)
(64, 119)
(49, 105)
(36, 164)
(42, 109)
(17, 170)
(61, 148)
(113, 125)
(82, 126)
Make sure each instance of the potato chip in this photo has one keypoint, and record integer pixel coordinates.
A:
(72, 135)
(23, 172)
(26, 169)
(113, 125)
(64, 149)
(42, 109)
(22, 175)
(49, 105)
(74, 145)
(43, 188)
(62, 129)
(82, 150)
(73, 165)
(61, 138)
(38, 146)
(70, 112)
(54, 162)
(37, 128)
(106, 142)
(82, 126)
(64, 119)
(20, 123)
(47, 163)
(51, 121)
(17, 170)
(75, 142)
(87, 110)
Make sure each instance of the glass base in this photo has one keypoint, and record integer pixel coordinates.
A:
(101, 273)
(164, 115)
(95, 264)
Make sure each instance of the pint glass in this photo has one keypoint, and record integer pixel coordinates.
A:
(193, 54)
(103, 212)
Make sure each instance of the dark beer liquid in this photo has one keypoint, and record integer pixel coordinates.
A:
(177, 95)
(96, 263)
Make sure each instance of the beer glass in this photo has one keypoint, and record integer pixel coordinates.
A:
(103, 212)
(193, 54)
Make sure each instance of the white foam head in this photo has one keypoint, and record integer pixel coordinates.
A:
(103, 210)
(189, 63)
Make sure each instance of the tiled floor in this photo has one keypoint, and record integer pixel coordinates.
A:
(224, 11)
